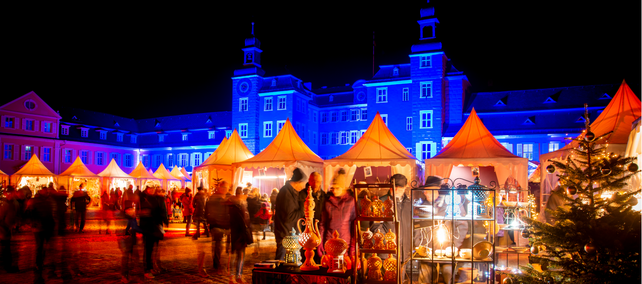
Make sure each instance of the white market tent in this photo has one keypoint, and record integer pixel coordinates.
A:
(475, 146)
(186, 174)
(376, 147)
(618, 117)
(114, 177)
(143, 177)
(33, 174)
(78, 173)
(286, 152)
(176, 172)
(168, 181)
(219, 164)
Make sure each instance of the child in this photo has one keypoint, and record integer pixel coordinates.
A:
(177, 213)
(263, 216)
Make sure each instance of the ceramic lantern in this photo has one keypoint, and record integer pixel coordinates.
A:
(388, 207)
(368, 242)
(390, 268)
(292, 249)
(391, 240)
(379, 240)
(366, 210)
(335, 259)
(310, 238)
(377, 207)
(374, 268)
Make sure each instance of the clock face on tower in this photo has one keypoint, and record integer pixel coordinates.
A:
(361, 96)
(244, 86)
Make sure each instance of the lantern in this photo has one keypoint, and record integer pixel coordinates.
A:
(374, 268)
(310, 238)
(368, 243)
(387, 207)
(391, 240)
(292, 249)
(390, 268)
(379, 240)
(334, 259)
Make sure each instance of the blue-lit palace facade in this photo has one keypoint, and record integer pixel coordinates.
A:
(424, 101)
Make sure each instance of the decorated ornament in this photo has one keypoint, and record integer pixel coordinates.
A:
(549, 280)
(310, 239)
(366, 211)
(589, 136)
(525, 233)
(550, 169)
(292, 249)
(633, 167)
(368, 242)
(605, 170)
(590, 248)
(374, 268)
(379, 240)
(632, 201)
(508, 280)
(376, 207)
(391, 240)
(535, 249)
(335, 259)
(390, 268)
(387, 207)
(571, 190)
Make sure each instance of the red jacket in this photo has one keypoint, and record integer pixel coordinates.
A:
(186, 200)
(338, 213)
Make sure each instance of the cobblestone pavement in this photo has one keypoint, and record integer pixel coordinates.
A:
(96, 258)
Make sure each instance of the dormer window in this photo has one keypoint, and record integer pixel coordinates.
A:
(274, 82)
(605, 97)
(331, 98)
(395, 71)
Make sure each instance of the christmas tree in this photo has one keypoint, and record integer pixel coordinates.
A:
(595, 234)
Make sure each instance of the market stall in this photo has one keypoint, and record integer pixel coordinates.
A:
(34, 175)
(634, 149)
(143, 177)
(377, 155)
(168, 181)
(219, 164)
(617, 117)
(77, 173)
(475, 146)
(273, 166)
(185, 180)
(113, 177)
(4, 179)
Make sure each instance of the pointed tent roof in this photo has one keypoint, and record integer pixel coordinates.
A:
(475, 145)
(150, 171)
(377, 146)
(233, 151)
(185, 173)
(113, 170)
(176, 172)
(34, 167)
(286, 149)
(474, 141)
(2, 173)
(141, 172)
(162, 173)
(78, 169)
(210, 160)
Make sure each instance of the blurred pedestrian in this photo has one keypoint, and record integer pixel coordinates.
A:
(79, 202)
(128, 244)
(160, 198)
(199, 213)
(151, 222)
(8, 216)
(240, 233)
(104, 211)
(273, 195)
(217, 213)
(60, 197)
(39, 211)
(263, 216)
(188, 210)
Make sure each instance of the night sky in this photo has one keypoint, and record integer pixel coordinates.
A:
(146, 61)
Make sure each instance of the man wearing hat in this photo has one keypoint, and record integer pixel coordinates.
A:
(288, 210)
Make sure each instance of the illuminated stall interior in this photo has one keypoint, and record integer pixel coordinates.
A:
(219, 164)
(34, 175)
(114, 177)
(143, 177)
(4, 179)
(285, 153)
(167, 180)
(78, 173)
(185, 181)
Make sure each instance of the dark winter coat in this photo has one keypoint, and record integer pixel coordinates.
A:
(217, 212)
(338, 214)
(40, 212)
(153, 212)
(80, 199)
(253, 206)
(287, 212)
(8, 215)
(273, 199)
(241, 235)
(199, 205)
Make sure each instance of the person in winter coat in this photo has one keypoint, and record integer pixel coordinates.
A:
(273, 195)
(288, 210)
(241, 236)
(60, 198)
(188, 210)
(199, 213)
(152, 218)
(263, 216)
(217, 213)
(79, 202)
(8, 212)
(338, 213)
(40, 212)
(107, 213)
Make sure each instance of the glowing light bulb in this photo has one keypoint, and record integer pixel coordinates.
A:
(441, 235)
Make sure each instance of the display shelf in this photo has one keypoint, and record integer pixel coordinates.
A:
(450, 218)
(379, 251)
(457, 259)
(376, 219)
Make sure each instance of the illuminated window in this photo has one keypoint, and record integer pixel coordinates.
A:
(46, 127)
(197, 159)
(344, 137)
(243, 106)
(426, 90)
(426, 119)
(243, 130)
(170, 160)
(553, 146)
(385, 118)
(211, 134)
(282, 103)
(67, 155)
(353, 136)
(409, 123)
(267, 129)
(405, 95)
(84, 132)
(103, 135)
(425, 61)
(267, 104)
(84, 156)
(46, 154)
(183, 162)
(64, 130)
(185, 136)
(382, 95)
(354, 114)
(508, 146)
(29, 124)
(427, 150)
(335, 138)
(324, 117)
(28, 152)
(364, 114)
(9, 122)
(333, 116)
(344, 115)
(228, 133)
(119, 137)
(8, 151)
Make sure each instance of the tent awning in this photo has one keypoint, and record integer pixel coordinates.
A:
(141, 173)
(78, 169)
(34, 167)
(114, 171)
(233, 151)
(162, 173)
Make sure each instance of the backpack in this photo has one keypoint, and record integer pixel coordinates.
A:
(218, 213)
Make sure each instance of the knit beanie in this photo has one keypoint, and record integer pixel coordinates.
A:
(339, 178)
(297, 175)
(433, 182)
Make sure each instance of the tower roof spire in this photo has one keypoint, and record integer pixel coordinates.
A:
(252, 28)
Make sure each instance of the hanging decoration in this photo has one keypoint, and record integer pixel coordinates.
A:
(550, 169)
